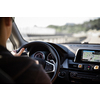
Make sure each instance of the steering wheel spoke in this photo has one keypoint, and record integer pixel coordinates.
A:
(49, 67)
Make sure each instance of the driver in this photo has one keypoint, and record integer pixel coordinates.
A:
(18, 69)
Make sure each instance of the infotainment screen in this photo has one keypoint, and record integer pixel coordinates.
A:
(90, 56)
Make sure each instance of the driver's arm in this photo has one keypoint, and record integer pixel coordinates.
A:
(33, 74)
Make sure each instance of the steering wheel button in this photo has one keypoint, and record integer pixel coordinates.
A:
(48, 67)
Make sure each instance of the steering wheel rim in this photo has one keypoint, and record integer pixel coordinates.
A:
(52, 50)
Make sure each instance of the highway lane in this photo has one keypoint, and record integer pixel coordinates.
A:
(58, 38)
(92, 38)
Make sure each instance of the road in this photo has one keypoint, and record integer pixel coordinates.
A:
(58, 38)
(91, 38)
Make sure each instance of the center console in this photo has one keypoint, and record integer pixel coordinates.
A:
(86, 65)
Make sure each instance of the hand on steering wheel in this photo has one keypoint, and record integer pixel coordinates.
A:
(19, 53)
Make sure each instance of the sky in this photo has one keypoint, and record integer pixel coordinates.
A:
(45, 21)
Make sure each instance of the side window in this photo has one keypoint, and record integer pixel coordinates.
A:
(9, 45)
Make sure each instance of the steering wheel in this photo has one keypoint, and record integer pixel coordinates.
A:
(48, 66)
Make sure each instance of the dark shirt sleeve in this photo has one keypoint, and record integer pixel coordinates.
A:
(24, 70)
(34, 74)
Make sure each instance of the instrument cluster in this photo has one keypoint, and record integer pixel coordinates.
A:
(44, 55)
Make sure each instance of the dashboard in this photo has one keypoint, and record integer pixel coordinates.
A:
(79, 63)
(82, 63)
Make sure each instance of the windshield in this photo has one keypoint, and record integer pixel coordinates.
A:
(60, 29)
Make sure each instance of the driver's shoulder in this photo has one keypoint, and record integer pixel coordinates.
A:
(15, 65)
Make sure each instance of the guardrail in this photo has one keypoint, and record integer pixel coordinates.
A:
(56, 39)
(53, 39)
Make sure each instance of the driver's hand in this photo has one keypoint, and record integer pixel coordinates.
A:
(19, 53)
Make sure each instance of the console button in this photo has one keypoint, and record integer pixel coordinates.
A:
(73, 74)
(98, 76)
(87, 67)
(96, 67)
(62, 73)
(75, 66)
(80, 66)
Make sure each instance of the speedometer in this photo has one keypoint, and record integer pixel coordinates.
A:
(39, 54)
